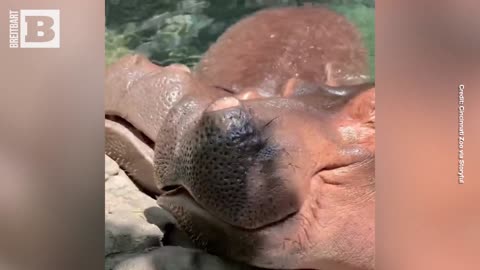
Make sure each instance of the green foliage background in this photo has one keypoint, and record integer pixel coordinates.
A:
(179, 31)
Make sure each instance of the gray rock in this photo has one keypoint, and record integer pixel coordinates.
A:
(178, 258)
(127, 231)
(111, 168)
(114, 260)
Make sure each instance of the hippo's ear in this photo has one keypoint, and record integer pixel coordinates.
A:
(362, 108)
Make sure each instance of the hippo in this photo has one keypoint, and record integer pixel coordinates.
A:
(264, 152)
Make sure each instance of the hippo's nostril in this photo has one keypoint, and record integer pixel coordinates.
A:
(170, 188)
(223, 103)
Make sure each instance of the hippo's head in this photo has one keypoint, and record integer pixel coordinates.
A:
(276, 181)
(265, 153)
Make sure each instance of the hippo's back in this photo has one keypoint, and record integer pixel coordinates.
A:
(263, 51)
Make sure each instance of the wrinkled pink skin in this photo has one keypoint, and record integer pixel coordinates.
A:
(265, 63)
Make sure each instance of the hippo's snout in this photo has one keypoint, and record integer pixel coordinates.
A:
(227, 162)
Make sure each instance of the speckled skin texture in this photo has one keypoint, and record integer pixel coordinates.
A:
(265, 152)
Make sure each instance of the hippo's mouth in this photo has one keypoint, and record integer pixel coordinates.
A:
(177, 200)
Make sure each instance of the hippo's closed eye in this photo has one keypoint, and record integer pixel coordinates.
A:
(321, 95)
